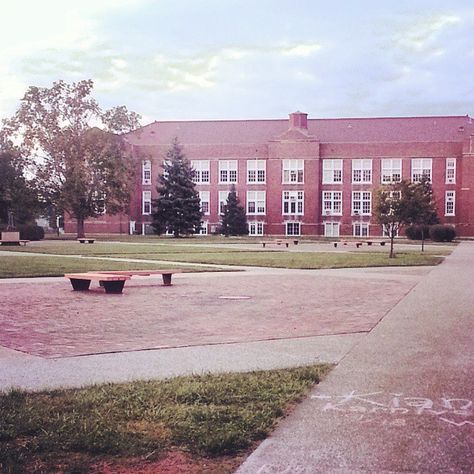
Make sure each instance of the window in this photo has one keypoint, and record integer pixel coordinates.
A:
(450, 203)
(391, 171)
(293, 202)
(255, 202)
(332, 203)
(293, 171)
(201, 172)
(361, 203)
(146, 202)
(146, 172)
(228, 171)
(203, 229)
(386, 231)
(420, 167)
(332, 171)
(360, 229)
(331, 229)
(361, 171)
(255, 171)
(255, 228)
(223, 195)
(450, 170)
(293, 228)
(204, 197)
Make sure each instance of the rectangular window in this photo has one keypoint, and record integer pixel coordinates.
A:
(450, 203)
(360, 229)
(450, 170)
(332, 203)
(361, 203)
(293, 228)
(332, 171)
(391, 171)
(146, 202)
(293, 202)
(204, 196)
(256, 171)
(227, 171)
(293, 171)
(223, 195)
(201, 173)
(255, 228)
(203, 230)
(331, 229)
(255, 202)
(420, 167)
(386, 231)
(146, 172)
(361, 171)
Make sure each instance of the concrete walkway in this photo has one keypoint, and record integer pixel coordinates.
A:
(401, 399)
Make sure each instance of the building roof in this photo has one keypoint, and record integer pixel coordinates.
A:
(349, 130)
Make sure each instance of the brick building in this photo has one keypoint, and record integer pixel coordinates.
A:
(306, 177)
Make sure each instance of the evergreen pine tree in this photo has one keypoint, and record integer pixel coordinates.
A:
(234, 220)
(178, 207)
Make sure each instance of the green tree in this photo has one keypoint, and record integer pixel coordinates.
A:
(234, 220)
(178, 207)
(80, 168)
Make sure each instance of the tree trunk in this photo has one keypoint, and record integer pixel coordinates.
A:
(391, 247)
(80, 228)
(422, 239)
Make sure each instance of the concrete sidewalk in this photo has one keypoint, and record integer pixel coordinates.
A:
(401, 399)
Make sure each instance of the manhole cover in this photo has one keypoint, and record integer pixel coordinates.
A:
(234, 297)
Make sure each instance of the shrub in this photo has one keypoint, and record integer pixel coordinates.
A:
(442, 233)
(31, 232)
(413, 232)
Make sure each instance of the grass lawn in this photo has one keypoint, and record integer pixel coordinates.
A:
(36, 266)
(196, 422)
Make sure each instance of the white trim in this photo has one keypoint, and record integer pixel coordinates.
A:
(292, 172)
(257, 167)
(450, 198)
(450, 170)
(295, 200)
(146, 203)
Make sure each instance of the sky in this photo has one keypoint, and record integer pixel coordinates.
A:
(242, 59)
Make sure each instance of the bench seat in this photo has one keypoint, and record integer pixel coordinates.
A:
(276, 242)
(112, 282)
(84, 241)
(166, 274)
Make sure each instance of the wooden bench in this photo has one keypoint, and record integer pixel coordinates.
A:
(166, 274)
(278, 242)
(112, 283)
(12, 238)
(348, 242)
(84, 241)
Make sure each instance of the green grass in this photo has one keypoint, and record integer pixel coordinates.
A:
(36, 266)
(210, 415)
(302, 260)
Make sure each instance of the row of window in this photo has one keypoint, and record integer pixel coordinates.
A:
(293, 171)
(293, 203)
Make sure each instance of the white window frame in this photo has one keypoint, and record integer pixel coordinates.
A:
(146, 172)
(258, 201)
(204, 229)
(421, 167)
(450, 203)
(256, 171)
(360, 229)
(205, 197)
(256, 228)
(361, 203)
(223, 195)
(362, 171)
(292, 172)
(391, 170)
(332, 203)
(293, 201)
(201, 171)
(293, 226)
(450, 170)
(385, 232)
(228, 171)
(146, 203)
(329, 227)
(333, 171)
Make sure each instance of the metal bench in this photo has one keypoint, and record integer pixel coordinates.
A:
(276, 242)
(84, 240)
(166, 274)
(112, 283)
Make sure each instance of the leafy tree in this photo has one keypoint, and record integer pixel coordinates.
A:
(79, 168)
(234, 220)
(178, 207)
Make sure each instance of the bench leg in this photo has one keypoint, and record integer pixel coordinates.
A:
(80, 285)
(167, 279)
(113, 286)
(263, 245)
(286, 245)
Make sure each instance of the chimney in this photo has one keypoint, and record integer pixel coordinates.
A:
(299, 120)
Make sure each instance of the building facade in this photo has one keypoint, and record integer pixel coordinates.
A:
(305, 177)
